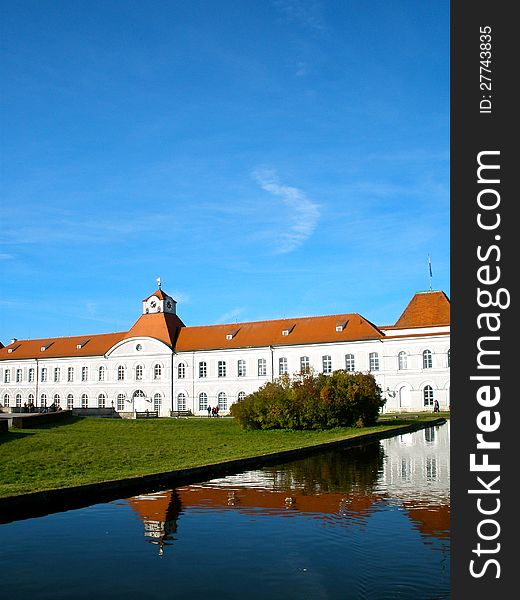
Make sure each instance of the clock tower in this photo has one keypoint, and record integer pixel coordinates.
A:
(159, 302)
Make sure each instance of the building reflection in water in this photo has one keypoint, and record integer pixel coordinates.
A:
(340, 487)
(159, 512)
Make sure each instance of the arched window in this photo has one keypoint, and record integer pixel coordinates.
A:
(139, 394)
(222, 401)
(203, 369)
(139, 373)
(84, 401)
(102, 401)
(56, 399)
(203, 401)
(30, 399)
(181, 401)
(350, 363)
(181, 371)
(157, 402)
(241, 368)
(373, 361)
(428, 395)
(157, 371)
(101, 373)
(7, 400)
(241, 396)
(120, 373)
(427, 359)
(18, 400)
(327, 363)
(70, 401)
(120, 402)
(449, 358)
(43, 400)
(305, 365)
(402, 360)
(282, 366)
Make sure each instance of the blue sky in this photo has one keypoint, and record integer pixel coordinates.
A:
(264, 158)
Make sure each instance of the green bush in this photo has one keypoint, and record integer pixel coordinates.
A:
(312, 401)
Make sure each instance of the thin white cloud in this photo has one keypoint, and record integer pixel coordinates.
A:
(306, 13)
(230, 316)
(303, 212)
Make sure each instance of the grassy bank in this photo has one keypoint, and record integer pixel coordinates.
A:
(89, 450)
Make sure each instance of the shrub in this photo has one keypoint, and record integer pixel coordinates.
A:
(312, 401)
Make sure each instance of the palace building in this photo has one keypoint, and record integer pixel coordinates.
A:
(162, 365)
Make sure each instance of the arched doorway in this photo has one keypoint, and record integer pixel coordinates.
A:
(405, 397)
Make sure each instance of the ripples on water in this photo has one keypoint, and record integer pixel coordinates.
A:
(361, 523)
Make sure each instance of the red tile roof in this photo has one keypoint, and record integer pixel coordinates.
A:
(302, 330)
(82, 345)
(426, 309)
(161, 326)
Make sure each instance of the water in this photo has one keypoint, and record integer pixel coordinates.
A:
(360, 523)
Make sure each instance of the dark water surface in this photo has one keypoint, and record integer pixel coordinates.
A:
(361, 523)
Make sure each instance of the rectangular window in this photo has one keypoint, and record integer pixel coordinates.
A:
(373, 359)
(56, 374)
(241, 368)
(304, 364)
(18, 375)
(350, 364)
(262, 367)
(7, 376)
(203, 369)
(282, 366)
(70, 374)
(31, 375)
(44, 374)
(327, 364)
(84, 373)
(221, 372)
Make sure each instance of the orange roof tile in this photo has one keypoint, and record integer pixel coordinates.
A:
(426, 309)
(161, 326)
(158, 294)
(83, 345)
(302, 330)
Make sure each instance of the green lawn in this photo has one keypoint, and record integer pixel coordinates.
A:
(90, 450)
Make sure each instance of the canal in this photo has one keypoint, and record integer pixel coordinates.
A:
(371, 522)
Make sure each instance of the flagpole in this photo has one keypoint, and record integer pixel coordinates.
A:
(430, 271)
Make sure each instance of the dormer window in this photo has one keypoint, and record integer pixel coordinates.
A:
(231, 334)
(45, 346)
(287, 331)
(80, 345)
(341, 326)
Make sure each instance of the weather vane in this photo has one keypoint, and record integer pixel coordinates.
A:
(159, 282)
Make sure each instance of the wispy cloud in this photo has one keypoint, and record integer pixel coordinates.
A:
(303, 212)
(307, 13)
(230, 316)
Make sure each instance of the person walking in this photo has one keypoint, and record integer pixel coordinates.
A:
(209, 410)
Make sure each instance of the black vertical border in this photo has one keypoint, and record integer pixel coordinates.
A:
(472, 132)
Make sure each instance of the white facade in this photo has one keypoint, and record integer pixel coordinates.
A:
(141, 372)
